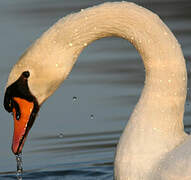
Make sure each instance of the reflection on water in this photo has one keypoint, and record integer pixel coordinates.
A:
(77, 130)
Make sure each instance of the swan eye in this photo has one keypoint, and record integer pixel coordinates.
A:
(26, 74)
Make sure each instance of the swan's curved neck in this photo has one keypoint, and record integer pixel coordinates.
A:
(165, 81)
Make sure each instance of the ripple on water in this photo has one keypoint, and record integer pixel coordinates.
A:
(102, 173)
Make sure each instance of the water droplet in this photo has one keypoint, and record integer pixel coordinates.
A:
(70, 44)
(60, 135)
(91, 116)
(56, 65)
(74, 99)
(85, 44)
(19, 171)
(132, 38)
(169, 80)
(82, 10)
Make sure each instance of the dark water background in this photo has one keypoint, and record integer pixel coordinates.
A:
(76, 139)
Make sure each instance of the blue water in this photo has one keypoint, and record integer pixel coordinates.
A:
(65, 141)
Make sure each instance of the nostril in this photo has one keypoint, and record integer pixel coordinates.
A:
(17, 110)
(18, 114)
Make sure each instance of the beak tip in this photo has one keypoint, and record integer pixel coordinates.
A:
(16, 149)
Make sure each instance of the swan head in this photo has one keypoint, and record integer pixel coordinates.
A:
(24, 107)
(29, 84)
(35, 77)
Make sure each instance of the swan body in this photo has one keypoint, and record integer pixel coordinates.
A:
(153, 144)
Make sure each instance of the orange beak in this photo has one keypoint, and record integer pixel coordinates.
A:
(21, 123)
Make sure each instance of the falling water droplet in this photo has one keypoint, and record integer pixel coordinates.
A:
(60, 135)
(91, 116)
(19, 167)
(74, 98)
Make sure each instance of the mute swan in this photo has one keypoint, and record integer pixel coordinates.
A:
(153, 145)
